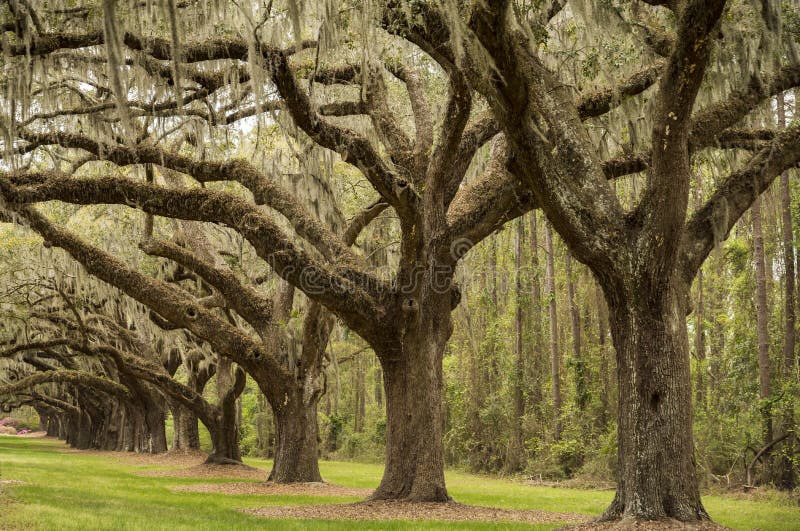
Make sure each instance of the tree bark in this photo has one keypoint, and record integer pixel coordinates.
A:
(296, 439)
(700, 343)
(762, 319)
(516, 456)
(787, 233)
(225, 431)
(656, 477)
(538, 357)
(579, 364)
(413, 384)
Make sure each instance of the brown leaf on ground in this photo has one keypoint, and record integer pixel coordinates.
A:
(268, 488)
(173, 458)
(399, 510)
(202, 471)
(629, 524)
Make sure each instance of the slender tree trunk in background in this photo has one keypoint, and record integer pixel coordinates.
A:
(787, 233)
(493, 270)
(516, 455)
(700, 344)
(262, 426)
(359, 392)
(786, 469)
(605, 380)
(555, 362)
(657, 476)
(536, 315)
(378, 387)
(575, 319)
(489, 364)
(717, 330)
(762, 318)
(337, 387)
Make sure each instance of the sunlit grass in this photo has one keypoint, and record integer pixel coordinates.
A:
(79, 491)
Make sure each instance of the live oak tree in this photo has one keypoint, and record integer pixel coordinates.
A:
(406, 321)
(644, 256)
(499, 64)
(92, 332)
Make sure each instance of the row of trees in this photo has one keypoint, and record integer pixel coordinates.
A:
(443, 120)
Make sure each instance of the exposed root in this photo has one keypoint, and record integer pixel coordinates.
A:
(635, 524)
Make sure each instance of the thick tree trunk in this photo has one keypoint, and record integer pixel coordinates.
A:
(185, 435)
(413, 383)
(154, 418)
(296, 440)
(82, 438)
(225, 439)
(225, 431)
(657, 476)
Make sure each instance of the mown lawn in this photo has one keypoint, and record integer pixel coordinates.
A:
(76, 491)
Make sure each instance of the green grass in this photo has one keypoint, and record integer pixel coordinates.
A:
(78, 491)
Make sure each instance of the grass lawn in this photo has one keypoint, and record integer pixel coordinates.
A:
(77, 491)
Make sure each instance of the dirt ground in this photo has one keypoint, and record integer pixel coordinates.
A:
(397, 510)
(201, 471)
(265, 488)
(173, 458)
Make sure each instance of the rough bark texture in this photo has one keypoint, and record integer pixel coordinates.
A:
(296, 439)
(413, 386)
(657, 475)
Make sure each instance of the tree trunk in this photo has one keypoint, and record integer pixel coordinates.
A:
(656, 469)
(581, 390)
(358, 392)
(762, 318)
(154, 417)
(225, 432)
(225, 438)
(414, 385)
(538, 363)
(555, 362)
(700, 343)
(516, 456)
(605, 380)
(787, 232)
(82, 439)
(296, 439)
